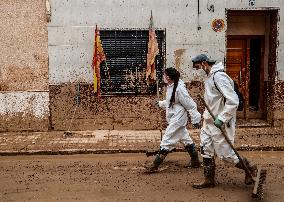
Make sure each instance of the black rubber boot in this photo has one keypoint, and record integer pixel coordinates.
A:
(157, 161)
(252, 168)
(194, 163)
(209, 174)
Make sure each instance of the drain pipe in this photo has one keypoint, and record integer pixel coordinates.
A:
(48, 11)
(198, 13)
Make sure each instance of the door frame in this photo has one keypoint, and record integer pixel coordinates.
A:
(272, 37)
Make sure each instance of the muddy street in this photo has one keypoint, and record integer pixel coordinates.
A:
(121, 177)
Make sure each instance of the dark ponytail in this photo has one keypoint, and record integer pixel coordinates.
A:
(174, 75)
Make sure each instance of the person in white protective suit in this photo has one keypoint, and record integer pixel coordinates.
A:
(177, 104)
(223, 102)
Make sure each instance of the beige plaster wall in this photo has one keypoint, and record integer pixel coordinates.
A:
(23, 65)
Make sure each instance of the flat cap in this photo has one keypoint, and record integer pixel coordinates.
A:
(202, 57)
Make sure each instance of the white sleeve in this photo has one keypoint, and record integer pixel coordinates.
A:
(188, 103)
(223, 82)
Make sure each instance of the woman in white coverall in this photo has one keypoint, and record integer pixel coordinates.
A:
(223, 102)
(177, 104)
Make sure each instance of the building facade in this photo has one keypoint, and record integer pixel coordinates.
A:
(47, 46)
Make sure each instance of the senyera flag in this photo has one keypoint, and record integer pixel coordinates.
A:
(98, 58)
(153, 51)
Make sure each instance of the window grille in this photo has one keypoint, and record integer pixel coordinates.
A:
(125, 69)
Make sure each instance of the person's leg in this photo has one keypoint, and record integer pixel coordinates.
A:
(227, 154)
(189, 147)
(169, 140)
(171, 137)
(159, 158)
(207, 152)
(209, 174)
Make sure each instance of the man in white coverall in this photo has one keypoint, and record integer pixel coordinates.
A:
(177, 104)
(223, 102)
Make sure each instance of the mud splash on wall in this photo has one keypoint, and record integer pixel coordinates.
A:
(270, 91)
(112, 112)
(278, 108)
(178, 57)
(23, 43)
(122, 112)
(23, 66)
(24, 111)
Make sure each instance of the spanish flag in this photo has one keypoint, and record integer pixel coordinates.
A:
(99, 56)
(153, 51)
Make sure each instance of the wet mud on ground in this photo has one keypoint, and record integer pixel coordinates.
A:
(121, 177)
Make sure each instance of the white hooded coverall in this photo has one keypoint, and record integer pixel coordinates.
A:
(211, 136)
(177, 118)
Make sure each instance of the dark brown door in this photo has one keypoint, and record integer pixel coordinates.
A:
(244, 64)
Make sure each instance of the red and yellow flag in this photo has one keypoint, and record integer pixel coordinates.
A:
(99, 56)
(153, 51)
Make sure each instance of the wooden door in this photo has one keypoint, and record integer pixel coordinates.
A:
(236, 65)
(244, 64)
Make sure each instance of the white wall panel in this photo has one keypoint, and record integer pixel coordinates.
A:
(26, 103)
(73, 23)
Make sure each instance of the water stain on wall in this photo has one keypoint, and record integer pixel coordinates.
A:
(110, 112)
(178, 57)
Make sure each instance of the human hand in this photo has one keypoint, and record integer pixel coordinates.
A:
(218, 123)
(196, 125)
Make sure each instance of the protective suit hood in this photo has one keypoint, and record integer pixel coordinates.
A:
(216, 67)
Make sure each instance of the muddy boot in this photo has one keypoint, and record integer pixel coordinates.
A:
(194, 163)
(157, 161)
(252, 168)
(209, 174)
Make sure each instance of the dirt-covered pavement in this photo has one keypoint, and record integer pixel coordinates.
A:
(132, 141)
(121, 177)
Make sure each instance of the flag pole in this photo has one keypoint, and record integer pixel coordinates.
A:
(95, 62)
(98, 57)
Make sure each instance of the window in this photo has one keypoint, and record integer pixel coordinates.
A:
(125, 67)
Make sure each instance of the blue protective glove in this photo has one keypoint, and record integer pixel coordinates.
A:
(218, 123)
